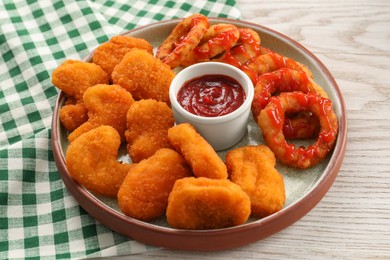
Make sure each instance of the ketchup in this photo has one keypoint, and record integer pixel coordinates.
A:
(211, 95)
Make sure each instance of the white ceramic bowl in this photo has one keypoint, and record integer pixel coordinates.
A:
(224, 131)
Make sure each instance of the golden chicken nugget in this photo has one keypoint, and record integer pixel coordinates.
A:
(144, 193)
(143, 75)
(203, 203)
(110, 53)
(148, 121)
(253, 169)
(107, 105)
(73, 115)
(91, 160)
(198, 153)
(75, 77)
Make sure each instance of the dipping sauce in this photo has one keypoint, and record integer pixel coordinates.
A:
(211, 95)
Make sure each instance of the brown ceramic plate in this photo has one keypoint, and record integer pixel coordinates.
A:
(304, 188)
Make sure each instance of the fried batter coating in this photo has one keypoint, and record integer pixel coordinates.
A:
(91, 160)
(148, 121)
(144, 193)
(144, 76)
(218, 39)
(110, 53)
(73, 115)
(203, 203)
(183, 40)
(247, 47)
(75, 77)
(199, 154)
(253, 169)
(107, 105)
(271, 122)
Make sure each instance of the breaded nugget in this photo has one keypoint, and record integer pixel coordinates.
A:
(75, 77)
(253, 169)
(107, 105)
(199, 154)
(91, 160)
(110, 53)
(143, 75)
(203, 203)
(148, 121)
(73, 115)
(144, 193)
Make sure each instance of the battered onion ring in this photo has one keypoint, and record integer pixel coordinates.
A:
(248, 47)
(281, 80)
(285, 80)
(268, 62)
(271, 120)
(218, 39)
(183, 40)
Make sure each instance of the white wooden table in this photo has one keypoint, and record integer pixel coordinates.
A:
(352, 38)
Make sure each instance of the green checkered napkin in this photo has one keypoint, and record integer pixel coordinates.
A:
(38, 216)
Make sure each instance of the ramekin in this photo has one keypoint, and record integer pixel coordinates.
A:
(224, 131)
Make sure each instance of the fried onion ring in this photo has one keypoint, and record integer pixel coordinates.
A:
(218, 39)
(248, 47)
(271, 120)
(285, 80)
(183, 40)
(268, 62)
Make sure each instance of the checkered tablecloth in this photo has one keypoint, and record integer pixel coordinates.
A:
(38, 216)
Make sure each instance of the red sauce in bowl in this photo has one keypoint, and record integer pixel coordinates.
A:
(211, 95)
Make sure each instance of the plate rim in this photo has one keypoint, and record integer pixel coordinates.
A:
(216, 239)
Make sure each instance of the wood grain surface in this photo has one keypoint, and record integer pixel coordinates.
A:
(352, 38)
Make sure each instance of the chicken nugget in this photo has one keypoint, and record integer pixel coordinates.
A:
(148, 121)
(91, 160)
(73, 116)
(110, 53)
(253, 169)
(198, 153)
(203, 203)
(75, 77)
(107, 105)
(143, 75)
(144, 193)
